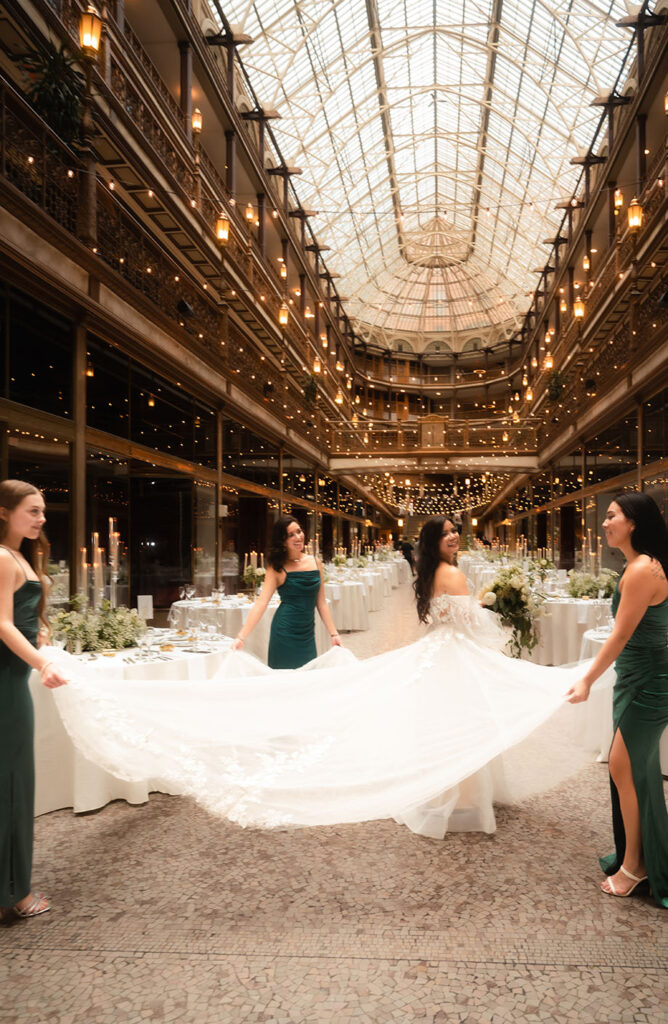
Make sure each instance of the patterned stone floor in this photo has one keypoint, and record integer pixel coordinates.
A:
(163, 913)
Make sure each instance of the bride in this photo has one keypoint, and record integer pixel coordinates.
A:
(414, 734)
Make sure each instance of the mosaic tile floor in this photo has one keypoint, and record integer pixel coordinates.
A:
(163, 913)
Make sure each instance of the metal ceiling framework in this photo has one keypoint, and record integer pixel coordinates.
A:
(435, 138)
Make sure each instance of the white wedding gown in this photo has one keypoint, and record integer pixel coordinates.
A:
(413, 734)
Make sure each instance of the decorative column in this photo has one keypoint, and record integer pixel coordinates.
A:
(78, 458)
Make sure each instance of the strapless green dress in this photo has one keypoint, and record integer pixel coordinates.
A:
(17, 765)
(640, 712)
(292, 635)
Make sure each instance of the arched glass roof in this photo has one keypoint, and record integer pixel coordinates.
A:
(435, 139)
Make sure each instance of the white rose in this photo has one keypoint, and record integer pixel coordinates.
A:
(489, 599)
(517, 584)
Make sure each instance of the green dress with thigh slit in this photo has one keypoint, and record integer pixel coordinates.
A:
(640, 712)
(17, 768)
(292, 635)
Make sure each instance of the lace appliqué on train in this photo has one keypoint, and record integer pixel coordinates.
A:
(463, 615)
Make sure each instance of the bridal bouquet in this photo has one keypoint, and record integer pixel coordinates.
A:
(509, 595)
(85, 629)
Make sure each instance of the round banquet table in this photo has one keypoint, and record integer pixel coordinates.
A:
(594, 716)
(374, 585)
(229, 615)
(562, 625)
(348, 603)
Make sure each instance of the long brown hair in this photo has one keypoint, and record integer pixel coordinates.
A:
(35, 552)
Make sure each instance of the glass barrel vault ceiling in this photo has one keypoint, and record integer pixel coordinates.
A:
(434, 138)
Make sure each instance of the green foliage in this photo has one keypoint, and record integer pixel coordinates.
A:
(311, 390)
(555, 385)
(57, 89)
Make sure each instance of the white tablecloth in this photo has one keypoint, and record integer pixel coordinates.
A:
(374, 585)
(348, 603)
(562, 625)
(594, 727)
(63, 778)
(229, 619)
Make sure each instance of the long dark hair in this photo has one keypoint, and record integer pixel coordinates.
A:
(650, 535)
(35, 552)
(429, 559)
(279, 535)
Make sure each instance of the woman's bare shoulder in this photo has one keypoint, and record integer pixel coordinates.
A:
(448, 579)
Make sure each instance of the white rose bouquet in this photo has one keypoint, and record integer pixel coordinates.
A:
(510, 597)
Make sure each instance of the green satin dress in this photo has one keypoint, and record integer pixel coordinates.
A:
(640, 712)
(292, 635)
(17, 765)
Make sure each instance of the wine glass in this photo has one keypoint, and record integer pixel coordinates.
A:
(190, 591)
(182, 593)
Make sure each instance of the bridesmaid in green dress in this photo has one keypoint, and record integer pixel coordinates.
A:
(297, 577)
(22, 547)
(634, 524)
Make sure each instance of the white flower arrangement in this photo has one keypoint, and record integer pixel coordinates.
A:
(104, 629)
(340, 560)
(254, 576)
(509, 596)
(585, 584)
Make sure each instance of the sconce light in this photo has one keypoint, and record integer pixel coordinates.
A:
(197, 121)
(619, 199)
(635, 215)
(223, 229)
(250, 213)
(586, 263)
(90, 32)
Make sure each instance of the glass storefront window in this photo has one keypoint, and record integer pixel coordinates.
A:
(161, 415)
(298, 478)
(40, 357)
(107, 388)
(248, 456)
(612, 452)
(655, 428)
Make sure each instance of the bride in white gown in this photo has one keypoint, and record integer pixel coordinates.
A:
(413, 734)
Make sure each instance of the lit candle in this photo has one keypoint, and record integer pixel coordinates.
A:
(245, 561)
(84, 573)
(261, 560)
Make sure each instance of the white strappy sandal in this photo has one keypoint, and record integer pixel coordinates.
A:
(634, 878)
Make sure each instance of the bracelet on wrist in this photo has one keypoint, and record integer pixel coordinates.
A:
(44, 667)
(333, 635)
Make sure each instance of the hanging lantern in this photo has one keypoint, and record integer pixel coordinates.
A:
(504, 437)
(339, 397)
(549, 362)
(339, 366)
(619, 199)
(90, 372)
(223, 229)
(283, 271)
(563, 306)
(366, 438)
(635, 215)
(197, 121)
(317, 366)
(90, 32)
(151, 402)
(525, 380)
(250, 213)
(578, 309)
(308, 313)
(516, 417)
(534, 362)
(586, 263)
(283, 314)
(357, 399)
(356, 419)
(349, 384)
(529, 395)
(323, 340)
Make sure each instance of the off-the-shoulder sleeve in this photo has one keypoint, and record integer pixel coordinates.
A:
(464, 615)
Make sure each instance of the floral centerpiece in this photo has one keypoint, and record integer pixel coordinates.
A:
(84, 629)
(510, 597)
(540, 567)
(585, 584)
(361, 562)
(340, 560)
(254, 577)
